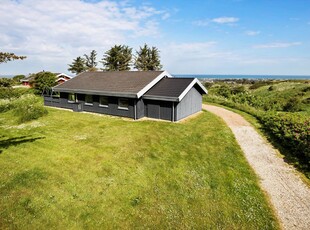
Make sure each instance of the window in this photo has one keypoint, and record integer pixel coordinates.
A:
(103, 101)
(123, 103)
(56, 94)
(88, 99)
(71, 97)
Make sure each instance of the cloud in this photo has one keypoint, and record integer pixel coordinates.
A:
(252, 33)
(277, 45)
(225, 20)
(221, 20)
(62, 30)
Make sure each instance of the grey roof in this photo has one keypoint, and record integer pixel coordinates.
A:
(169, 87)
(173, 89)
(127, 83)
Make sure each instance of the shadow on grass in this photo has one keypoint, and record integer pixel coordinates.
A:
(7, 142)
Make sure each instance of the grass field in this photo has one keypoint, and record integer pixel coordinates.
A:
(83, 171)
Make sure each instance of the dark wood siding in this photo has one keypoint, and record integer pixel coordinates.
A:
(158, 109)
(190, 104)
(140, 108)
(112, 109)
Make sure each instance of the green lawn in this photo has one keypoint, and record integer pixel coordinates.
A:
(76, 170)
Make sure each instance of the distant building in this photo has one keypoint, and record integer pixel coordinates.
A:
(133, 94)
(60, 78)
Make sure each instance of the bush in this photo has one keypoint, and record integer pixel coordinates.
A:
(28, 107)
(208, 85)
(5, 105)
(259, 84)
(10, 93)
(6, 82)
(293, 133)
(293, 105)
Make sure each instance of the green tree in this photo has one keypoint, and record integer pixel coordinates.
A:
(147, 59)
(90, 61)
(118, 58)
(17, 78)
(43, 81)
(78, 65)
(5, 57)
(6, 82)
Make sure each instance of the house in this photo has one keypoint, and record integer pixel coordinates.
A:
(60, 78)
(133, 94)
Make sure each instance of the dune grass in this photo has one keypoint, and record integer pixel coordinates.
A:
(83, 171)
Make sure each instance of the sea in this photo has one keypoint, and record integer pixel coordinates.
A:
(230, 76)
(241, 76)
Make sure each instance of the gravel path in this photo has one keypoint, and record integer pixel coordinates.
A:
(289, 195)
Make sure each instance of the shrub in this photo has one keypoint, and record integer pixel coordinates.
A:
(5, 105)
(208, 85)
(259, 84)
(293, 105)
(6, 82)
(293, 133)
(28, 107)
(238, 89)
(10, 93)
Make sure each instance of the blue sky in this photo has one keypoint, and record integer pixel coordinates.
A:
(194, 37)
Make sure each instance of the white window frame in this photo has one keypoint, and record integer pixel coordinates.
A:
(87, 103)
(103, 105)
(122, 107)
(72, 101)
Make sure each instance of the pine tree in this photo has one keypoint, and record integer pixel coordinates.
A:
(77, 66)
(147, 59)
(90, 61)
(5, 57)
(118, 58)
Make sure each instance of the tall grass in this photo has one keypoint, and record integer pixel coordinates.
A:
(24, 105)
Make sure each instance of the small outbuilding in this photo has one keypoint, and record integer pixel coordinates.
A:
(133, 94)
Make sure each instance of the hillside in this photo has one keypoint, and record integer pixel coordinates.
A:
(78, 170)
(281, 107)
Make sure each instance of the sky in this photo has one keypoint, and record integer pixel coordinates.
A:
(270, 37)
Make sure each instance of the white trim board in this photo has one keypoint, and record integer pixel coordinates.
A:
(188, 88)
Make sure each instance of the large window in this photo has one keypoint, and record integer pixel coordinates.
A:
(71, 97)
(123, 103)
(88, 99)
(103, 101)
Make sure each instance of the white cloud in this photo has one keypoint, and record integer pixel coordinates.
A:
(277, 45)
(65, 29)
(252, 33)
(225, 20)
(221, 20)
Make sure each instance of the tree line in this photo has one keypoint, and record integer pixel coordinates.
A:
(119, 58)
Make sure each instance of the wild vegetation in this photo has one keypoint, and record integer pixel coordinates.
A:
(78, 170)
(23, 103)
(282, 107)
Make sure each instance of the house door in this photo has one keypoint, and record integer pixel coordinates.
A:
(153, 109)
